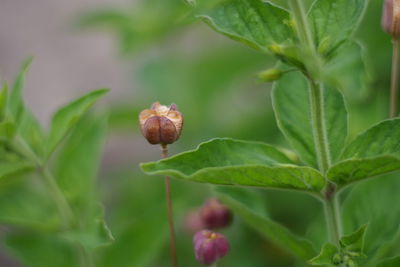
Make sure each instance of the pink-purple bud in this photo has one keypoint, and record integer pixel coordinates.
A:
(391, 17)
(215, 215)
(209, 246)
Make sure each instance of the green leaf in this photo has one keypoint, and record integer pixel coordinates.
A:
(353, 170)
(94, 235)
(7, 130)
(137, 227)
(76, 169)
(372, 203)
(66, 117)
(255, 23)
(354, 242)
(232, 162)
(326, 255)
(292, 109)
(3, 101)
(381, 139)
(14, 167)
(335, 20)
(347, 70)
(374, 152)
(392, 262)
(26, 204)
(242, 202)
(27, 125)
(16, 99)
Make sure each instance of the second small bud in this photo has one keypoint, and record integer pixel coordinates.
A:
(215, 215)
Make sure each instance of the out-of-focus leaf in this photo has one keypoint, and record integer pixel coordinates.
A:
(26, 204)
(94, 235)
(392, 262)
(140, 26)
(76, 170)
(292, 109)
(375, 151)
(66, 117)
(7, 130)
(233, 162)
(8, 168)
(35, 249)
(255, 23)
(354, 242)
(144, 238)
(368, 204)
(348, 71)
(325, 257)
(3, 101)
(242, 203)
(335, 20)
(27, 125)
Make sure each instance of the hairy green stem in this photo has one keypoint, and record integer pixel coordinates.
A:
(394, 93)
(318, 126)
(302, 26)
(333, 219)
(313, 70)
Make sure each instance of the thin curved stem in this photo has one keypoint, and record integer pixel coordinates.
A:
(58, 197)
(68, 218)
(174, 258)
(394, 93)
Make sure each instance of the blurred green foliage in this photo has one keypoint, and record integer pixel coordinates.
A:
(213, 82)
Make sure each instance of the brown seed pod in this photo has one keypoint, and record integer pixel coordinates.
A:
(161, 124)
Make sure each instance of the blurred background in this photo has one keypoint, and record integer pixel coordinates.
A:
(154, 50)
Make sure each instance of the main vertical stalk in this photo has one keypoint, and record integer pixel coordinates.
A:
(331, 206)
(174, 258)
(394, 93)
(318, 125)
(332, 215)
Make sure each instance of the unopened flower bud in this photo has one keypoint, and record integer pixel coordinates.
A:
(161, 124)
(337, 259)
(215, 215)
(270, 75)
(391, 17)
(209, 246)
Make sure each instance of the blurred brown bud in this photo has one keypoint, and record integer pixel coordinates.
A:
(391, 17)
(215, 215)
(161, 124)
